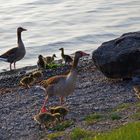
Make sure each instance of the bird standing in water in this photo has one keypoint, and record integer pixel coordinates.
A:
(62, 85)
(15, 54)
(65, 57)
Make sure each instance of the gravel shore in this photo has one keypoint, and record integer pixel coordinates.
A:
(94, 93)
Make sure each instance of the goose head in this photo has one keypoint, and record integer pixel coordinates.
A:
(54, 55)
(20, 29)
(80, 54)
(40, 57)
(61, 49)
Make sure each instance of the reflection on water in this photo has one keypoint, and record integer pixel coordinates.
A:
(71, 24)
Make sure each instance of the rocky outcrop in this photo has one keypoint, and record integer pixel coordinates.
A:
(119, 58)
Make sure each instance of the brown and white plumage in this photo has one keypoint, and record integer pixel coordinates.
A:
(62, 85)
(15, 54)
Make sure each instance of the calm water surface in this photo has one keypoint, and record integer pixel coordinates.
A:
(74, 25)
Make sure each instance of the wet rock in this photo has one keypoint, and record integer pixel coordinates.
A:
(119, 58)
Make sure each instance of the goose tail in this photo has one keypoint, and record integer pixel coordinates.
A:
(3, 59)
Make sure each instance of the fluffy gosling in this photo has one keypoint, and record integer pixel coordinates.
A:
(41, 62)
(27, 81)
(46, 119)
(37, 74)
(59, 109)
(50, 59)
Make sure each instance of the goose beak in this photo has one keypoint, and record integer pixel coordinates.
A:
(24, 29)
(85, 54)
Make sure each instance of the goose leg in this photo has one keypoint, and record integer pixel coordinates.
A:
(10, 66)
(14, 65)
(61, 100)
(46, 99)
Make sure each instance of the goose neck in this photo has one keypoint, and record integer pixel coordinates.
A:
(75, 63)
(62, 52)
(19, 39)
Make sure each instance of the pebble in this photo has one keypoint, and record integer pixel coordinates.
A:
(94, 93)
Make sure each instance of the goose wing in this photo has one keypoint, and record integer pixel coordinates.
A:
(53, 80)
(68, 58)
(9, 53)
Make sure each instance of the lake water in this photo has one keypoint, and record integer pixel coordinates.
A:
(74, 25)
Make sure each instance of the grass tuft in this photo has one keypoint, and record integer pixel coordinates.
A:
(115, 116)
(81, 134)
(130, 131)
(92, 118)
(136, 115)
(53, 66)
(63, 125)
(122, 107)
(55, 136)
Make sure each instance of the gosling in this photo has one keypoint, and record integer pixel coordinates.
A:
(37, 74)
(41, 62)
(27, 81)
(46, 119)
(59, 109)
(65, 57)
(50, 59)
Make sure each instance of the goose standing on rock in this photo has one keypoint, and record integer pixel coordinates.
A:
(62, 85)
(15, 54)
(66, 58)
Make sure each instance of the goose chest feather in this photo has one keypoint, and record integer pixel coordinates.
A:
(66, 85)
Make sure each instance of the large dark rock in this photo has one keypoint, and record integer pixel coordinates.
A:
(119, 58)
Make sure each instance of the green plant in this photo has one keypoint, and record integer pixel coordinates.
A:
(115, 116)
(92, 118)
(81, 134)
(63, 125)
(54, 136)
(122, 107)
(53, 66)
(130, 131)
(136, 115)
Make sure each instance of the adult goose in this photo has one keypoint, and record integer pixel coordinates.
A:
(62, 85)
(65, 57)
(15, 54)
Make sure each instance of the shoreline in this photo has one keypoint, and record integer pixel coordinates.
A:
(94, 93)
